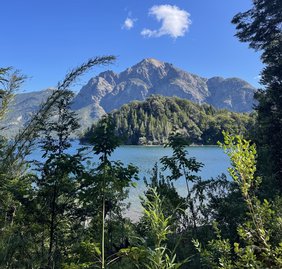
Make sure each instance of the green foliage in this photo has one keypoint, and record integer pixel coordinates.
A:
(157, 255)
(159, 224)
(218, 252)
(26, 138)
(172, 203)
(152, 121)
(243, 158)
(218, 199)
(256, 249)
(181, 166)
(21, 232)
(57, 184)
(109, 185)
(104, 139)
(10, 81)
(68, 215)
(15, 185)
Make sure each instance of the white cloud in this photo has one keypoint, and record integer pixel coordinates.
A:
(175, 21)
(128, 23)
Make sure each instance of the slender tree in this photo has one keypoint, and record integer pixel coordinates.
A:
(25, 139)
(181, 166)
(109, 183)
(58, 183)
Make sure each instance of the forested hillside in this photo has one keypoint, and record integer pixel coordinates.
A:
(151, 121)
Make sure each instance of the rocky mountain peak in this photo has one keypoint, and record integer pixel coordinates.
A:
(151, 76)
(151, 62)
(147, 70)
(110, 76)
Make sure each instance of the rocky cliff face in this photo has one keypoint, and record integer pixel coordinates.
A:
(148, 77)
(151, 76)
(109, 91)
(232, 93)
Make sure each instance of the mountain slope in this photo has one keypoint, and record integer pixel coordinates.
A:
(233, 94)
(21, 110)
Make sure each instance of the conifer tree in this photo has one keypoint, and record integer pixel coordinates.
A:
(261, 28)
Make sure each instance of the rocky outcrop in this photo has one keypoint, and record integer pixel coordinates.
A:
(232, 93)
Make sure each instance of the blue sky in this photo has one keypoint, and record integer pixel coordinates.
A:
(45, 39)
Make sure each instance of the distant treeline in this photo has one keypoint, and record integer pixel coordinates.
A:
(150, 122)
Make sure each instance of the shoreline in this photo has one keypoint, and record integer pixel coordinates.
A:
(149, 145)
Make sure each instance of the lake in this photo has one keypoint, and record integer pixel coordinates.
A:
(214, 159)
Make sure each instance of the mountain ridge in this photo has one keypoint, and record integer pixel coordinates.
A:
(108, 91)
(151, 76)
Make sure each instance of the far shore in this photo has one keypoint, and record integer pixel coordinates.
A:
(154, 145)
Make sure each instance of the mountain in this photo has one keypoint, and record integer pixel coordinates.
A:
(233, 94)
(108, 91)
(22, 108)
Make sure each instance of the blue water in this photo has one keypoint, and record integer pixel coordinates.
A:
(144, 157)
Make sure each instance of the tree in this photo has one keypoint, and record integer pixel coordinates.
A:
(16, 190)
(57, 186)
(152, 120)
(26, 138)
(181, 166)
(10, 82)
(261, 28)
(109, 185)
(15, 185)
